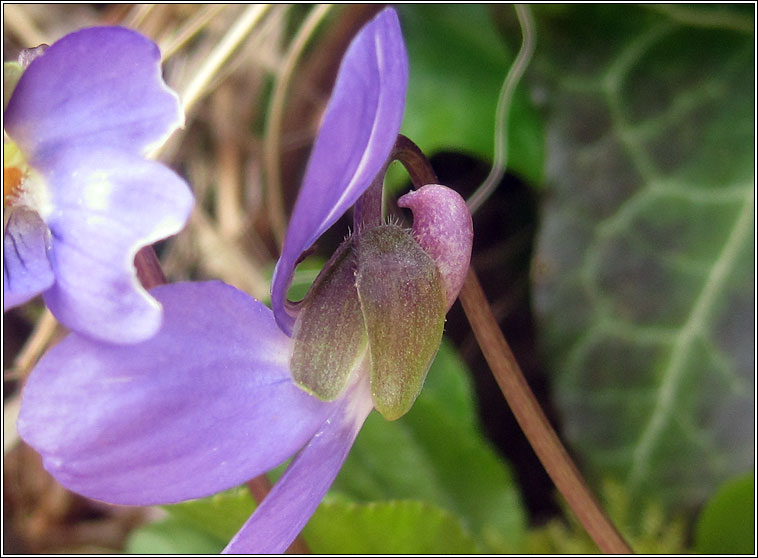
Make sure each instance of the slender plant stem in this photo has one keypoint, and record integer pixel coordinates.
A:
(533, 421)
(515, 388)
(367, 212)
(414, 161)
(484, 191)
(149, 270)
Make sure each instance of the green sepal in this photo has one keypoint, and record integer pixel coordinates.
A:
(11, 74)
(329, 332)
(403, 304)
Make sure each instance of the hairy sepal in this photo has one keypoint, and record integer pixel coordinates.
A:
(329, 334)
(402, 298)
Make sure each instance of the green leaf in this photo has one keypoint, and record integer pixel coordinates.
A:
(305, 275)
(727, 524)
(219, 516)
(644, 269)
(448, 386)
(338, 526)
(436, 453)
(398, 527)
(172, 536)
(457, 66)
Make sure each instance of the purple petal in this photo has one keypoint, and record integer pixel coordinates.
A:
(297, 494)
(359, 128)
(26, 269)
(100, 86)
(105, 205)
(201, 407)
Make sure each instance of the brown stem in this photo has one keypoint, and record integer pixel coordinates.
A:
(515, 388)
(414, 161)
(149, 270)
(533, 422)
(259, 488)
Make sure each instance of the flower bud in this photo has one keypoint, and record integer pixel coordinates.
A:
(383, 296)
(443, 228)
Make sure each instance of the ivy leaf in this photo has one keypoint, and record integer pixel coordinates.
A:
(457, 66)
(644, 270)
(436, 453)
(397, 527)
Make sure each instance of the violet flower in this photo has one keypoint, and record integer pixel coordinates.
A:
(223, 393)
(80, 198)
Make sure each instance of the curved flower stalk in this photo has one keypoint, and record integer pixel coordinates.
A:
(80, 198)
(229, 389)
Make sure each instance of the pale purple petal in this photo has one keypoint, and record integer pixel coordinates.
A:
(443, 227)
(359, 128)
(201, 407)
(105, 205)
(26, 269)
(100, 86)
(297, 494)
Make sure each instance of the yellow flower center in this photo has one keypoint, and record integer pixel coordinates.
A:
(15, 171)
(12, 178)
(23, 186)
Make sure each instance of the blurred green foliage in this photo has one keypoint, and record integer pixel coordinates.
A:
(727, 523)
(172, 536)
(651, 530)
(457, 66)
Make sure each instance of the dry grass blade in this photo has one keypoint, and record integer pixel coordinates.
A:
(21, 25)
(273, 133)
(226, 260)
(190, 29)
(231, 41)
(40, 338)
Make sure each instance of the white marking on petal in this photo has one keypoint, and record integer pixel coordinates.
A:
(97, 191)
(35, 194)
